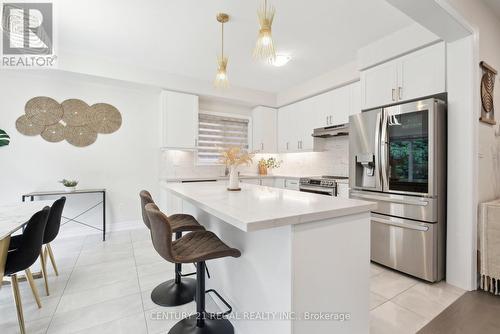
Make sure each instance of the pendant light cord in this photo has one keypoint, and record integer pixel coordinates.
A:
(222, 40)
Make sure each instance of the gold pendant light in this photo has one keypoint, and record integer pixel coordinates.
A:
(264, 49)
(221, 80)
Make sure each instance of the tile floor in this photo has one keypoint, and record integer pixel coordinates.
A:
(400, 304)
(106, 287)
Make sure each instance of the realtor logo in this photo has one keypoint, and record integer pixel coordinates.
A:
(27, 40)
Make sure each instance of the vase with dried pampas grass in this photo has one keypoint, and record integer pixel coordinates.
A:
(233, 157)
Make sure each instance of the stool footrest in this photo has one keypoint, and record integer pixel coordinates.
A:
(193, 273)
(219, 315)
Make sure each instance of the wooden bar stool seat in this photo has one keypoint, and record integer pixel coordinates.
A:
(180, 290)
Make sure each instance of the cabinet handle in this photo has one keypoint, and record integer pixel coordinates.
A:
(287, 146)
(298, 144)
(400, 93)
(393, 93)
(262, 146)
(301, 144)
(327, 120)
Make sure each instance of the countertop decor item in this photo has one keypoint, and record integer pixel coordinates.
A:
(4, 138)
(69, 185)
(234, 157)
(221, 80)
(267, 165)
(487, 91)
(72, 120)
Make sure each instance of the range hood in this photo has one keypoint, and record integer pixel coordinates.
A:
(331, 131)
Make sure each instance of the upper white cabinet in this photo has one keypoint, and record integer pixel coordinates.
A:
(295, 126)
(179, 120)
(264, 126)
(418, 74)
(341, 105)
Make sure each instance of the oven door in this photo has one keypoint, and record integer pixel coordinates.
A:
(318, 190)
(407, 148)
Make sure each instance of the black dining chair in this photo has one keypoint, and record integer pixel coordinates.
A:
(29, 246)
(51, 232)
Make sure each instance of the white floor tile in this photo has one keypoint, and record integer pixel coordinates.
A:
(72, 301)
(103, 256)
(389, 284)
(376, 300)
(390, 318)
(134, 324)
(94, 315)
(32, 327)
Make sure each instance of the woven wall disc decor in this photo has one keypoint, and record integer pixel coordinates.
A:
(80, 136)
(104, 118)
(54, 133)
(43, 110)
(75, 112)
(72, 120)
(27, 127)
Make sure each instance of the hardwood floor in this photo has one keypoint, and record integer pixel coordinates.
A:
(474, 312)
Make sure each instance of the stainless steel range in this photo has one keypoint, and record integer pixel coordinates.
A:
(324, 185)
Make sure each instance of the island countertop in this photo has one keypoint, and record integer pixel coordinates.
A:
(258, 207)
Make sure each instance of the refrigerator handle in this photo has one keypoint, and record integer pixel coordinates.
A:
(378, 167)
(384, 153)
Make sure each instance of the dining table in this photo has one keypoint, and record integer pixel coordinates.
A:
(13, 217)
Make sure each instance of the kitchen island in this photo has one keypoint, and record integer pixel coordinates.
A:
(305, 257)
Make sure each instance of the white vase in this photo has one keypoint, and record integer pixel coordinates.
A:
(234, 181)
(70, 189)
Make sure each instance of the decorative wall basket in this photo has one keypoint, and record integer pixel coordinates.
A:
(72, 120)
(487, 90)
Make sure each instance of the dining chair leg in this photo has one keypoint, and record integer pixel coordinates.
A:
(19, 305)
(44, 272)
(34, 289)
(52, 258)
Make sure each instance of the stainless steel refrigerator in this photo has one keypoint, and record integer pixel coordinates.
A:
(398, 159)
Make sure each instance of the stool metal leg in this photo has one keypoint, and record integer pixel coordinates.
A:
(177, 291)
(200, 323)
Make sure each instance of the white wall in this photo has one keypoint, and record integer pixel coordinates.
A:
(123, 162)
(488, 26)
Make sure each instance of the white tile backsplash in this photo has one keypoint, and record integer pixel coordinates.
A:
(333, 161)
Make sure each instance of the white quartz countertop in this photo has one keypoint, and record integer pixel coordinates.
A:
(257, 207)
(14, 216)
(242, 176)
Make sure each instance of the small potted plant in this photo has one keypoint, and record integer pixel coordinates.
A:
(234, 157)
(69, 185)
(267, 165)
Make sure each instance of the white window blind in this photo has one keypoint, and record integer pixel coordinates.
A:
(216, 133)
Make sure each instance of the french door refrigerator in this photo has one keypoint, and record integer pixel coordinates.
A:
(398, 159)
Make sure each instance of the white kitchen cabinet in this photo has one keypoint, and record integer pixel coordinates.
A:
(264, 126)
(341, 103)
(179, 120)
(378, 85)
(322, 109)
(422, 73)
(287, 128)
(292, 184)
(343, 190)
(355, 98)
(250, 181)
(304, 122)
(268, 182)
(418, 74)
(279, 183)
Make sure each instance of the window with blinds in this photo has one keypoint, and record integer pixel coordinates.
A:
(216, 133)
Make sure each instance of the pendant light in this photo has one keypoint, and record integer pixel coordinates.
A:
(221, 80)
(264, 49)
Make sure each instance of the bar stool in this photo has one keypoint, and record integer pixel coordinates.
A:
(51, 232)
(23, 257)
(195, 247)
(180, 290)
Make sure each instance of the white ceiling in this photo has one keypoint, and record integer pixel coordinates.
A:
(182, 37)
(494, 5)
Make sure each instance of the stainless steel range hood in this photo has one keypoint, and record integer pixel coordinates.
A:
(331, 131)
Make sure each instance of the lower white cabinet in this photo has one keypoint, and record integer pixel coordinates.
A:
(250, 181)
(343, 190)
(268, 182)
(292, 184)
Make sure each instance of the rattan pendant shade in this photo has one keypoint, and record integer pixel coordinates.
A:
(72, 120)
